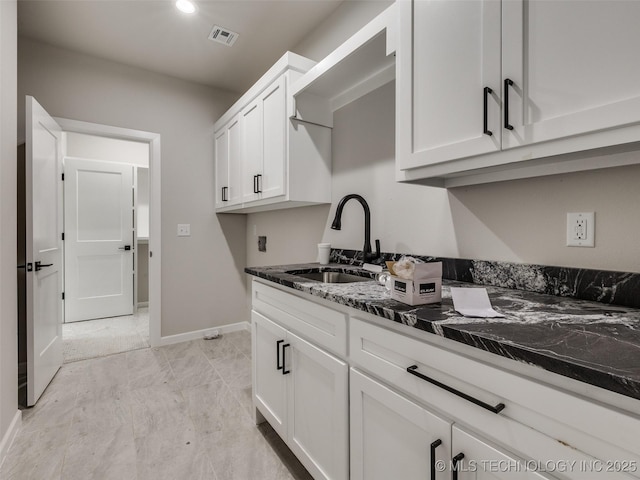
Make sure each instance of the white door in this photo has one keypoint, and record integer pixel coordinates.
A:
(222, 168)
(572, 68)
(269, 379)
(476, 459)
(44, 248)
(234, 139)
(449, 83)
(392, 437)
(318, 409)
(253, 151)
(274, 138)
(98, 204)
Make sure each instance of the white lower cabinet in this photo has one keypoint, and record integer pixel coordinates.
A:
(393, 437)
(302, 391)
(397, 406)
(474, 458)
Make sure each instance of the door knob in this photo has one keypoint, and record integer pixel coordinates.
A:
(40, 265)
(126, 247)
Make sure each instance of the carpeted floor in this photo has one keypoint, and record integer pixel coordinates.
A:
(105, 336)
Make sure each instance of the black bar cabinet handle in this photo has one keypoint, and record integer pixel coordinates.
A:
(278, 366)
(258, 183)
(455, 461)
(255, 188)
(487, 92)
(434, 445)
(284, 359)
(224, 194)
(413, 370)
(507, 83)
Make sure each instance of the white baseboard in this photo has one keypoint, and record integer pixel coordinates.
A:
(143, 304)
(195, 335)
(10, 435)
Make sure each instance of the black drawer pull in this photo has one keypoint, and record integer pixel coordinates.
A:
(284, 359)
(455, 460)
(278, 366)
(485, 127)
(413, 370)
(434, 445)
(507, 83)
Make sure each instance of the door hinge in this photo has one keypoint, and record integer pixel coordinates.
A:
(63, 236)
(62, 177)
(63, 295)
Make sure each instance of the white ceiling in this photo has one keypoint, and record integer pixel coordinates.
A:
(154, 35)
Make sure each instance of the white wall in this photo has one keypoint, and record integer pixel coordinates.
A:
(520, 221)
(202, 277)
(107, 149)
(8, 262)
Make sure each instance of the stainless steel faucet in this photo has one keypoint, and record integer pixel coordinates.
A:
(367, 255)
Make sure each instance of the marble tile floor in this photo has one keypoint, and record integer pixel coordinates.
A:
(105, 336)
(175, 412)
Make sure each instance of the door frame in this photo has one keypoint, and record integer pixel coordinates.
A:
(155, 270)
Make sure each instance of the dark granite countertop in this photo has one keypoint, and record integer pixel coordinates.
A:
(588, 341)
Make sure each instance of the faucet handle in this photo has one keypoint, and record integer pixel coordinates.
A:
(377, 248)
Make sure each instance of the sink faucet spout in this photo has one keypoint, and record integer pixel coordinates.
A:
(367, 254)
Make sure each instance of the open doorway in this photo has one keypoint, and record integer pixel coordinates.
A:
(106, 228)
(152, 247)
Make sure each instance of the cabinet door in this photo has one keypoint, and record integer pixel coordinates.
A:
(318, 429)
(222, 168)
(253, 151)
(483, 461)
(275, 139)
(234, 137)
(572, 67)
(392, 437)
(269, 380)
(448, 53)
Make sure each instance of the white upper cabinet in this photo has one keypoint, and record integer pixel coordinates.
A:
(491, 90)
(228, 149)
(572, 66)
(272, 161)
(443, 84)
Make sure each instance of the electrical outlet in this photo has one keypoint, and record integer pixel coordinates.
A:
(184, 229)
(262, 243)
(581, 229)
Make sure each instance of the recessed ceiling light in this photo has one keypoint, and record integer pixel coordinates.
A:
(185, 6)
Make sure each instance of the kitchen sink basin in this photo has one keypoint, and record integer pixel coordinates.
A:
(332, 277)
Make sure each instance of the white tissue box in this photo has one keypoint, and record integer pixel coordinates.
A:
(424, 287)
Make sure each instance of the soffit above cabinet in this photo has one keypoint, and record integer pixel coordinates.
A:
(363, 63)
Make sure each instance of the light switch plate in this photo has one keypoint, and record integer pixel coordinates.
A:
(581, 229)
(184, 229)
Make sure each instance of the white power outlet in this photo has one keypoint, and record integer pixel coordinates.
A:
(184, 229)
(581, 229)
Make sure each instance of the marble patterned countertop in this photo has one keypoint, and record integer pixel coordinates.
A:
(588, 341)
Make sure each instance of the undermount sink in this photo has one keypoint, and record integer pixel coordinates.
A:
(332, 277)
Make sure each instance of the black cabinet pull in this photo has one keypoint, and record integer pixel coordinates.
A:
(454, 466)
(434, 445)
(507, 83)
(485, 127)
(284, 359)
(278, 366)
(259, 183)
(40, 266)
(224, 194)
(413, 370)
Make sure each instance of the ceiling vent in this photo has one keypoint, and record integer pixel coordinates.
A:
(222, 35)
